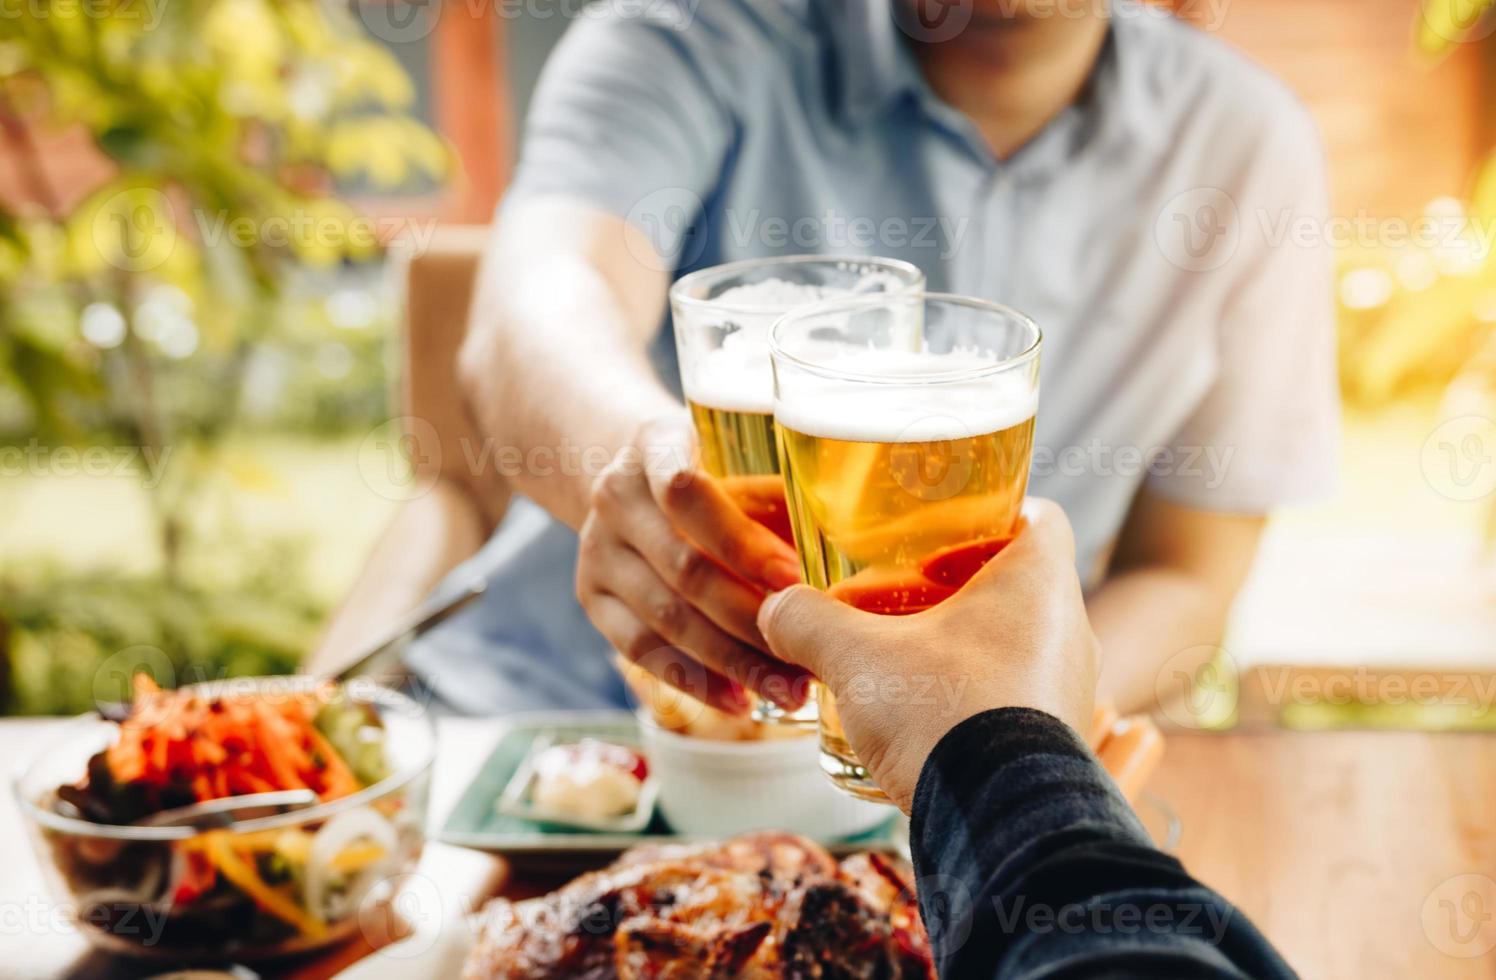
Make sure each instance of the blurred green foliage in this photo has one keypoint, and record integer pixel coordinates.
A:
(213, 281)
(78, 637)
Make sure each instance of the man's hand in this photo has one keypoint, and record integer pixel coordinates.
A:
(1015, 636)
(672, 572)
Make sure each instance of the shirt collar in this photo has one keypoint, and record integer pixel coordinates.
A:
(1122, 90)
(873, 64)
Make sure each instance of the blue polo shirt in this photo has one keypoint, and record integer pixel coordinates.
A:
(1166, 231)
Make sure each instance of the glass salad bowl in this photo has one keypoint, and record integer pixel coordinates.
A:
(252, 884)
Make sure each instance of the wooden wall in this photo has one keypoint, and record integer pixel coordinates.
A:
(1398, 132)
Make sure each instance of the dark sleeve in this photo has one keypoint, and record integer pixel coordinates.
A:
(1030, 863)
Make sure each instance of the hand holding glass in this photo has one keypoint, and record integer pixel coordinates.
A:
(722, 317)
(905, 427)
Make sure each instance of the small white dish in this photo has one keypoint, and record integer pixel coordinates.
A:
(517, 800)
(712, 789)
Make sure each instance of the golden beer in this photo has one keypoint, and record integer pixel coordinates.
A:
(738, 448)
(894, 528)
(735, 443)
(905, 468)
(722, 316)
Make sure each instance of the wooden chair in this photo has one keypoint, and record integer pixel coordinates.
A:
(438, 282)
(456, 496)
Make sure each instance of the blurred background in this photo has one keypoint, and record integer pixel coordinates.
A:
(203, 209)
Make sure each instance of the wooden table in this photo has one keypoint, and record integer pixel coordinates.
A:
(1360, 854)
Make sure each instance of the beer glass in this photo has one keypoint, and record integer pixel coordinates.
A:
(722, 317)
(905, 428)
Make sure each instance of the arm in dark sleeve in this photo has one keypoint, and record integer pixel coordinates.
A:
(1030, 863)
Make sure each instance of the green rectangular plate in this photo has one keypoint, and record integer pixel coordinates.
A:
(474, 822)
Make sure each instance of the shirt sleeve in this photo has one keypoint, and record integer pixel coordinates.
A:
(1269, 423)
(1029, 863)
(627, 117)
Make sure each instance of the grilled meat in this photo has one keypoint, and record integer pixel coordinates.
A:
(759, 906)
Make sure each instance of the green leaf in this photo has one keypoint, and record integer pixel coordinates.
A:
(130, 145)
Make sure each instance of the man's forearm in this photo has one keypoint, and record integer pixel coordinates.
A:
(1174, 574)
(1030, 863)
(429, 536)
(554, 369)
(555, 424)
(1150, 620)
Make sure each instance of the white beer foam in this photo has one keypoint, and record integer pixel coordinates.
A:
(774, 295)
(892, 412)
(737, 377)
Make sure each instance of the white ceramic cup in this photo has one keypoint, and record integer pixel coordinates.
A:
(712, 788)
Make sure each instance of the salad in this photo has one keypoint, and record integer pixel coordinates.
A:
(177, 748)
(272, 885)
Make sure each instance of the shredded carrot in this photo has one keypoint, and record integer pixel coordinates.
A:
(242, 742)
(338, 777)
(159, 746)
(203, 787)
(208, 752)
